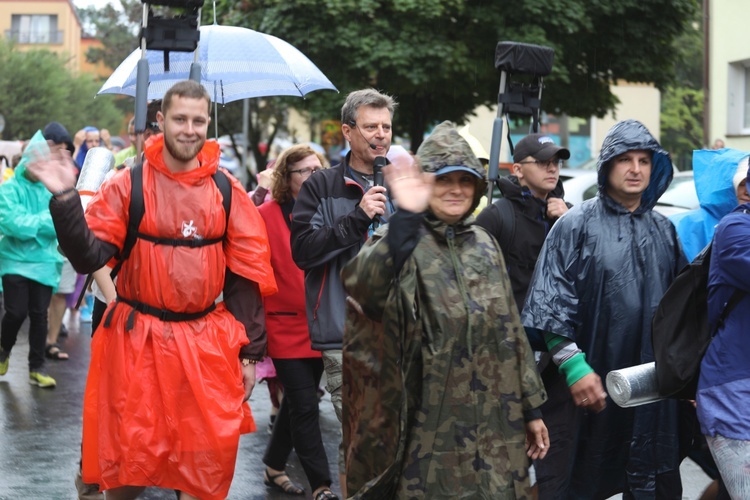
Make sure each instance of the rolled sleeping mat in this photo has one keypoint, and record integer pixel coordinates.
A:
(634, 386)
(99, 161)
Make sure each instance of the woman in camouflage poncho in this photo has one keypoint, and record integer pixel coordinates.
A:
(440, 386)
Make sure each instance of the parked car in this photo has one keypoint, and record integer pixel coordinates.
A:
(580, 185)
(680, 196)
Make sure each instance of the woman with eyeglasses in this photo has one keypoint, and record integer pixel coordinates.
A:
(298, 367)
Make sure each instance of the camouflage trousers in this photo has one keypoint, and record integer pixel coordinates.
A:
(332, 362)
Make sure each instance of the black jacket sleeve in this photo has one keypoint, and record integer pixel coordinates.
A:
(316, 241)
(403, 236)
(243, 299)
(85, 251)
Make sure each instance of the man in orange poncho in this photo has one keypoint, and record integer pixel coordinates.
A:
(165, 403)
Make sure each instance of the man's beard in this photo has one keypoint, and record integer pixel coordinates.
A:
(182, 153)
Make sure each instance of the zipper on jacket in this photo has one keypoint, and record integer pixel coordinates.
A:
(450, 235)
(320, 292)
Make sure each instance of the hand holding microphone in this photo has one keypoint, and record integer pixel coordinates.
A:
(373, 202)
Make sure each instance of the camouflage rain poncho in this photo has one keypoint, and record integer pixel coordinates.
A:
(437, 368)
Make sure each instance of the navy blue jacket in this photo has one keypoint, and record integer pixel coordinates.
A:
(724, 385)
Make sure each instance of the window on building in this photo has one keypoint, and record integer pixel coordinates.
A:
(738, 98)
(29, 28)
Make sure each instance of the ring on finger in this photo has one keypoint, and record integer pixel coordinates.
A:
(584, 401)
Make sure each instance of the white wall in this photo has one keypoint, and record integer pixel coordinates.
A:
(729, 54)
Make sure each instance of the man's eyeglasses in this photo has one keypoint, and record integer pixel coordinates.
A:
(545, 164)
(371, 127)
(304, 172)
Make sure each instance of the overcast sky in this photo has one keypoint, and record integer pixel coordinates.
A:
(87, 3)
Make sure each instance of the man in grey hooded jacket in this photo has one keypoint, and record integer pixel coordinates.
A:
(599, 278)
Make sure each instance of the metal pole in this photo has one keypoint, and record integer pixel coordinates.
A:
(141, 89)
(195, 67)
(535, 123)
(496, 141)
(245, 133)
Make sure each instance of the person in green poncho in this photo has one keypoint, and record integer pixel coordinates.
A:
(30, 264)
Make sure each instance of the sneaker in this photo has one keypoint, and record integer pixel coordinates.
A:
(4, 362)
(41, 379)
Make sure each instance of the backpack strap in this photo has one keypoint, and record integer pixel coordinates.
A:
(137, 209)
(225, 187)
(508, 224)
(730, 304)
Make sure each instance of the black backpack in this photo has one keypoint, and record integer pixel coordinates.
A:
(508, 218)
(137, 209)
(680, 332)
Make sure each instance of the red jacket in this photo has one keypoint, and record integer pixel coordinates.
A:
(286, 317)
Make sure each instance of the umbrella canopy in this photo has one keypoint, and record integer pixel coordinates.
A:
(236, 63)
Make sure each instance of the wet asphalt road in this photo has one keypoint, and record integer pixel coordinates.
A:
(40, 435)
(40, 432)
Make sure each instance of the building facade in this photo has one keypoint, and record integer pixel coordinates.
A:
(43, 24)
(728, 64)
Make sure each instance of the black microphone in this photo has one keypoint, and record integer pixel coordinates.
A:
(377, 170)
(372, 146)
(377, 178)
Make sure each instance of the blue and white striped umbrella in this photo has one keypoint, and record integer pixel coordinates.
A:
(236, 63)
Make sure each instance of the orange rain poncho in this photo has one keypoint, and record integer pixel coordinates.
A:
(163, 402)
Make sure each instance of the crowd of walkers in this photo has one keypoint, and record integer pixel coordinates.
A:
(464, 348)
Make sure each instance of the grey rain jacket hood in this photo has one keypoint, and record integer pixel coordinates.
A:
(598, 280)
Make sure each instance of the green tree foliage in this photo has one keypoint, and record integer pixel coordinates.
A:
(117, 27)
(40, 89)
(682, 124)
(437, 56)
(682, 104)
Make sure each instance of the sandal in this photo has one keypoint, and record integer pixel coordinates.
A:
(326, 494)
(286, 486)
(53, 351)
